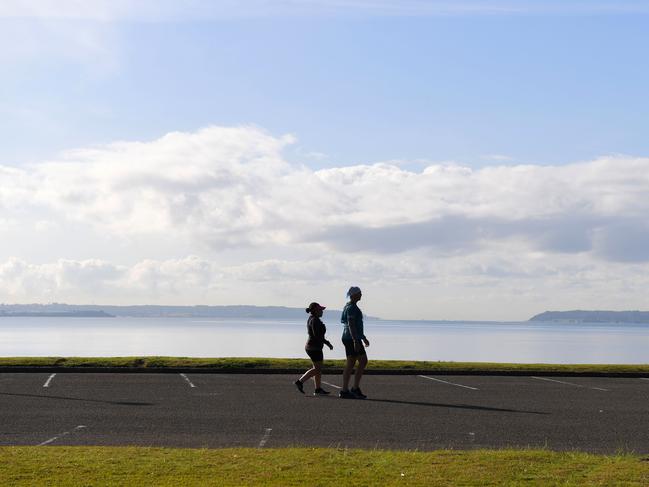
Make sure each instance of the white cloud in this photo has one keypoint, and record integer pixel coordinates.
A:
(259, 229)
(225, 187)
(495, 284)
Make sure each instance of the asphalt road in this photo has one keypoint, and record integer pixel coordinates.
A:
(401, 412)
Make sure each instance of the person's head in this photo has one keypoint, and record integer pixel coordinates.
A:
(315, 309)
(354, 294)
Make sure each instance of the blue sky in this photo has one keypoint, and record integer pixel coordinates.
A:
(544, 88)
(464, 160)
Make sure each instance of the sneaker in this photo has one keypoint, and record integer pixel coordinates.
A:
(357, 393)
(299, 386)
(320, 392)
(346, 395)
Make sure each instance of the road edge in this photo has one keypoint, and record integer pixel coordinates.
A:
(332, 371)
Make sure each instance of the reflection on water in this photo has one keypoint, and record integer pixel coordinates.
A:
(194, 337)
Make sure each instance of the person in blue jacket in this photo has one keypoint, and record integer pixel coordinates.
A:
(353, 339)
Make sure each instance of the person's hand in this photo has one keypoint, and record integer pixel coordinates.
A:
(331, 347)
(366, 342)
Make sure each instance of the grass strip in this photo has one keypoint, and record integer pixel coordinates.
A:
(73, 466)
(234, 363)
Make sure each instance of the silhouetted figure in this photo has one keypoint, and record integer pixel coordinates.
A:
(316, 330)
(353, 340)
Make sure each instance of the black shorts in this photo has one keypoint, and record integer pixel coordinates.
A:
(349, 348)
(315, 355)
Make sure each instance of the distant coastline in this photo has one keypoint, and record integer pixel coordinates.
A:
(585, 316)
(57, 314)
(61, 310)
(159, 311)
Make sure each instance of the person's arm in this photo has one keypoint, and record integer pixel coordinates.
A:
(353, 331)
(310, 329)
(320, 334)
(358, 337)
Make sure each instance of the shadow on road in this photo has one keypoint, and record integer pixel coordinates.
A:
(120, 403)
(455, 406)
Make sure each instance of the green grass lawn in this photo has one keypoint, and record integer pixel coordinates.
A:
(75, 466)
(233, 363)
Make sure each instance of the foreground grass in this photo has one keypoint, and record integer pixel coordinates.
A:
(237, 363)
(306, 466)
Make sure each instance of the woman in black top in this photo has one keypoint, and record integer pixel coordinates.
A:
(316, 329)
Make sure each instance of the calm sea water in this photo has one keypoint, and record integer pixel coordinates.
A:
(210, 337)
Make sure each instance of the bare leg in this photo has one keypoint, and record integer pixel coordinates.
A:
(308, 374)
(317, 377)
(362, 362)
(349, 366)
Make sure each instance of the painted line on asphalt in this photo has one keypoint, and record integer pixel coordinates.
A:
(330, 384)
(47, 442)
(49, 379)
(265, 437)
(449, 383)
(187, 379)
(644, 378)
(570, 383)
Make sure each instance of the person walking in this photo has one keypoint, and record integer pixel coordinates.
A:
(353, 339)
(316, 330)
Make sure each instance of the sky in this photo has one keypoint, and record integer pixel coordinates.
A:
(466, 160)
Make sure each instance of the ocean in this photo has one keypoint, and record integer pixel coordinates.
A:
(521, 342)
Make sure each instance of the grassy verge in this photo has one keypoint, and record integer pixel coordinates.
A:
(305, 466)
(234, 363)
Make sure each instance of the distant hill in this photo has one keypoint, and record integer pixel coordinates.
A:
(581, 316)
(153, 311)
(58, 314)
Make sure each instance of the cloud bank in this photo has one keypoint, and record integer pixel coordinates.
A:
(225, 191)
(224, 186)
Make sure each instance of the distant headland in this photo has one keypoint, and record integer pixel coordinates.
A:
(583, 316)
(58, 314)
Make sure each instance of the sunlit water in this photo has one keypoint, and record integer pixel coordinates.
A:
(524, 342)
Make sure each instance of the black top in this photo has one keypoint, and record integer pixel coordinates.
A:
(316, 330)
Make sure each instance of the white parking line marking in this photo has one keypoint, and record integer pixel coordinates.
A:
(265, 438)
(330, 384)
(187, 379)
(644, 378)
(570, 383)
(450, 383)
(49, 379)
(46, 442)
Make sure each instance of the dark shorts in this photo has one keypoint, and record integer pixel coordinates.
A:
(349, 349)
(315, 355)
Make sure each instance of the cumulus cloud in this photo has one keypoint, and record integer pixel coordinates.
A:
(72, 280)
(23, 279)
(220, 216)
(230, 187)
(495, 284)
